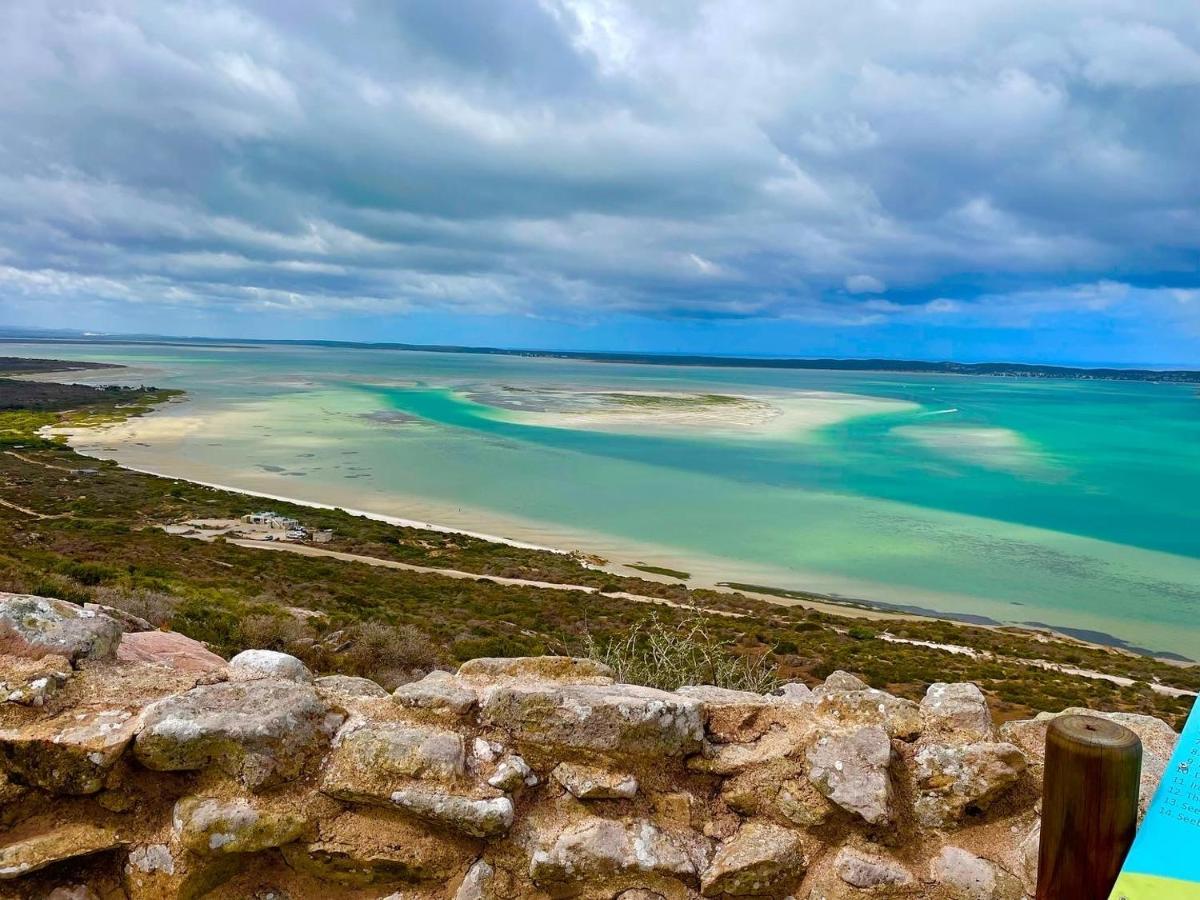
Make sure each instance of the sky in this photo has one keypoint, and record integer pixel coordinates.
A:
(983, 180)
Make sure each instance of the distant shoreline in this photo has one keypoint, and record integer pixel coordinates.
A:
(896, 366)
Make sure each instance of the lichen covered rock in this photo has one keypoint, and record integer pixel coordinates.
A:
(953, 778)
(37, 626)
(597, 848)
(619, 719)
(210, 825)
(852, 769)
(263, 732)
(70, 753)
(760, 860)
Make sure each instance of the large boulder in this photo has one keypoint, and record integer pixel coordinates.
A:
(852, 769)
(370, 758)
(252, 664)
(263, 732)
(36, 626)
(595, 849)
(761, 859)
(952, 778)
(619, 719)
(168, 648)
(70, 753)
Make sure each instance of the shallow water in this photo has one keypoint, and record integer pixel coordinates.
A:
(1071, 503)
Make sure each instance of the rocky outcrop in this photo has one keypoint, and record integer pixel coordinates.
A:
(544, 777)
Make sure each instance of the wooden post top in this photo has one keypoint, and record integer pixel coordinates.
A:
(1092, 732)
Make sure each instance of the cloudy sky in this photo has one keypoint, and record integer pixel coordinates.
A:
(930, 178)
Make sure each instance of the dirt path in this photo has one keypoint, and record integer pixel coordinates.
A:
(308, 550)
(35, 462)
(32, 513)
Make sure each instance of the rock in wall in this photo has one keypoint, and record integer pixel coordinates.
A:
(167, 773)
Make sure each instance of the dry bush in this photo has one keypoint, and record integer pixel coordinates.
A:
(388, 654)
(284, 633)
(661, 655)
(155, 607)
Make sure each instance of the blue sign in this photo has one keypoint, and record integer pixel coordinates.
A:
(1164, 862)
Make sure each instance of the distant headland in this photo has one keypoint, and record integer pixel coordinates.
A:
(909, 366)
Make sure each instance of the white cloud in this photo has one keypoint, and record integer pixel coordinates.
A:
(864, 284)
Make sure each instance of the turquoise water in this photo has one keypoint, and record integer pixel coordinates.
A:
(1072, 503)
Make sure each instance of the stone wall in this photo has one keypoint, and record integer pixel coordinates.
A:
(136, 764)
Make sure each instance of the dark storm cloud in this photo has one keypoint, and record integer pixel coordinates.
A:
(965, 162)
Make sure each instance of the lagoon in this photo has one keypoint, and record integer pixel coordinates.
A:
(1070, 503)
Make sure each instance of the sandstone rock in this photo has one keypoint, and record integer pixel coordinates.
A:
(378, 845)
(594, 783)
(900, 718)
(759, 860)
(168, 648)
(32, 682)
(65, 842)
(598, 848)
(841, 681)
(967, 877)
(796, 692)
(852, 770)
(439, 692)
(252, 664)
(512, 773)
(158, 871)
(1158, 742)
(73, 892)
(209, 825)
(128, 621)
(369, 758)
(959, 711)
(741, 716)
(640, 894)
(478, 817)
(801, 803)
(70, 753)
(619, 719)
(952, 778)
(349, 686)
(36, 626)
(263, 732)
(868, 870)
(563, 669)
(732, 759)
(477, 884)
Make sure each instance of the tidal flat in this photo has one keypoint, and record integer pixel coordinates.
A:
(1067, 502)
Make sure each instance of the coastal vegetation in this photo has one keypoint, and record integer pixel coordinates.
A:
(89, 531)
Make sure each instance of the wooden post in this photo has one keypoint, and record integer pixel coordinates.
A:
(1089, 806)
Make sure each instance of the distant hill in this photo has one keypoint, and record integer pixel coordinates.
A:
(915, 367)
